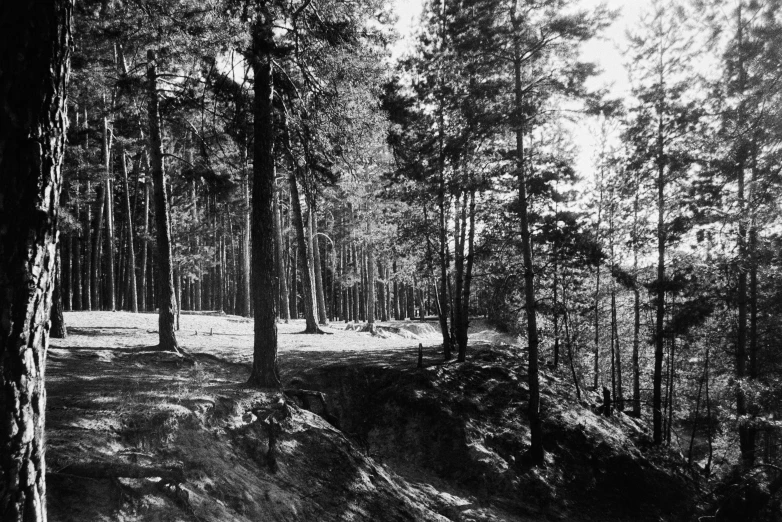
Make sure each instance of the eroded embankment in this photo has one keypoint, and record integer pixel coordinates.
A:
(138, 435)
(463, 427)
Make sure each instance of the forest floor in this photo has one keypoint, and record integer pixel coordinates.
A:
(135, 434)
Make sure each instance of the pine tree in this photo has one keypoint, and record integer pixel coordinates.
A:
(34, 91)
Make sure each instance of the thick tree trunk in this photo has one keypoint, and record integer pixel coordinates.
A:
(165, 274)
(32, 128)
(264, 268)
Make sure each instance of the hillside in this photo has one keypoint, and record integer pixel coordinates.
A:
(141, 435)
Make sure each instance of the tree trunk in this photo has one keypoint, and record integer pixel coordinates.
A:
(109, 200)
(97, 239)
(659, 338)
(285, 312)
(67, 243)
(244, 295)
(536, 431)
(165, 274)
(76, 256)
(636, 311)
(131, 247)
(32, 126)
(264, 268)
(307, 282)
(319, 294)
(371, 268)
(57, 329)
(145, 243)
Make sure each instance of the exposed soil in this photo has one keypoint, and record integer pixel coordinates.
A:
(135, 434)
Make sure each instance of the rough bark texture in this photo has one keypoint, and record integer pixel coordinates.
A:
(33, 75)
(165, 273)
(264, 267)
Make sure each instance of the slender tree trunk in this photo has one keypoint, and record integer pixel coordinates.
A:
(319, 293)
(636, 312)
(659, 337)
(307, 282)
(109, 200)
(294, 297)
(57, 329)
(569, 342)
(396, 294)
(708, 418)
(165, 275)
(284, 309)
(145, 243)
(96, 246)
(66, 268)
(536, 430)
(371, 268)
(695, 419)
(245, 250)
(131, 248)
(76, 259)
(356, 299)
(32, 127)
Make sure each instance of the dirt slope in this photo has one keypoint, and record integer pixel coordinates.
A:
(140, 435)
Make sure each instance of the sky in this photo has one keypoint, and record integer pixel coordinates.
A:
(605, 51)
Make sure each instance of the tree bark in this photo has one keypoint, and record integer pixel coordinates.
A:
(371, 268)
(285, 312)
(264, 268)
(636, 310)
(133, 295)
(97, 240)
(659, 337)
(57, 329)
(305, 254)
(165, 274)
(536, 430)
(317, 268)
(32, 128)
(145, 242)
(109, 201)
(246, 271)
